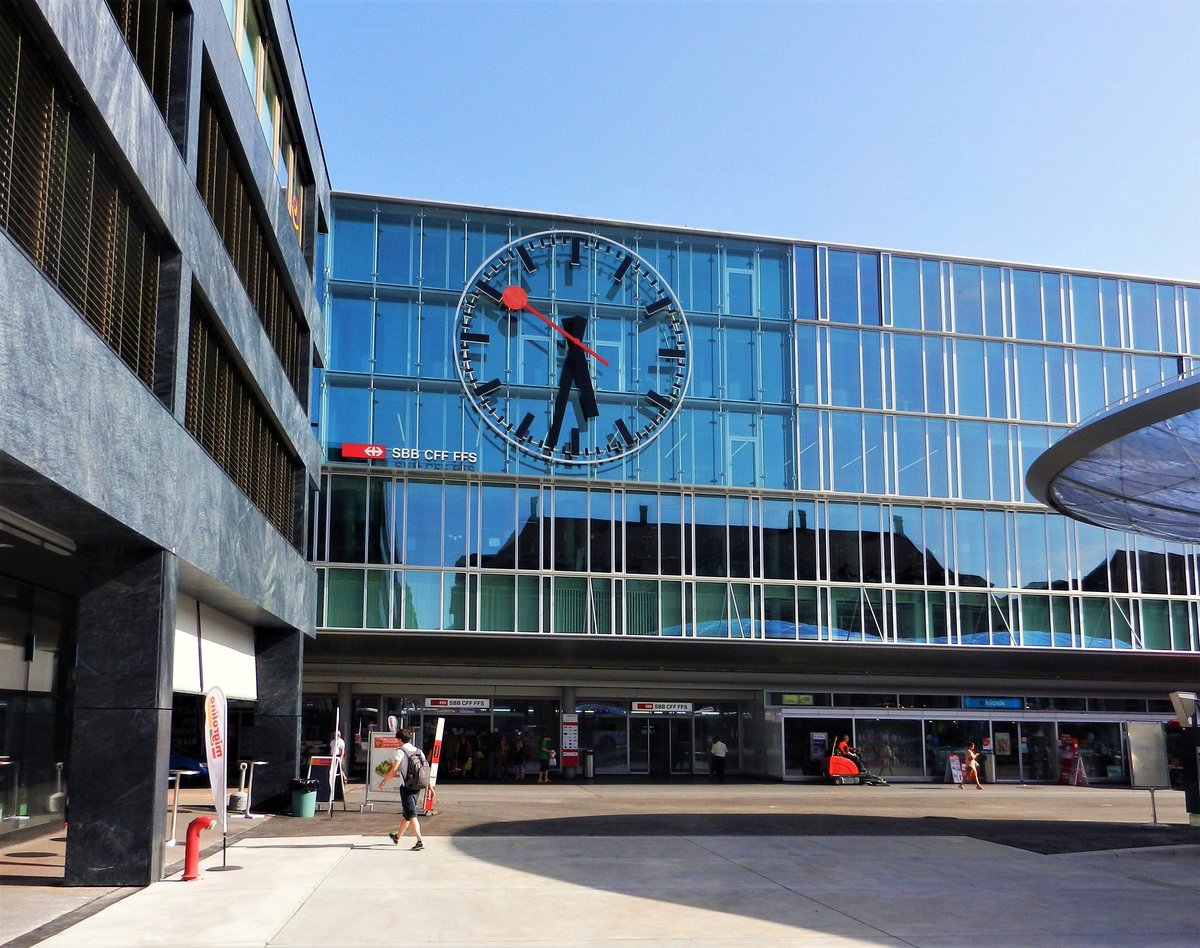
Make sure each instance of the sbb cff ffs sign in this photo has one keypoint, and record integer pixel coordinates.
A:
(370, 452)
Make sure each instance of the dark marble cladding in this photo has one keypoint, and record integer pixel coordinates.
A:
(127, 638)
(118, 796)
(275, 737)
(91, 40)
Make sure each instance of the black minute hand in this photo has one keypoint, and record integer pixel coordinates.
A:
(574, 373)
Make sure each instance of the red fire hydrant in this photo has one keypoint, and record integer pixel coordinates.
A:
(191, 855)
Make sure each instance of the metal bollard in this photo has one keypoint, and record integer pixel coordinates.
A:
(191, 855)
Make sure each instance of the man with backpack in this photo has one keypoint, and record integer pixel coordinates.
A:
(412, 768)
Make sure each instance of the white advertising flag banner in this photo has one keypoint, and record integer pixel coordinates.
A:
(216, 747)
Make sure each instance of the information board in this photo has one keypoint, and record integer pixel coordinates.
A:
(954, 773)
(570, 740)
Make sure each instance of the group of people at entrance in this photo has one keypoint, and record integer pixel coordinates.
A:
(498, 756)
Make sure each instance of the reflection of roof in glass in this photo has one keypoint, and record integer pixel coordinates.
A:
(1136, 466)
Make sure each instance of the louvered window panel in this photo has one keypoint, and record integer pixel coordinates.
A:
(149, 28)
(243, 231)
(225, 416)
(64, 204)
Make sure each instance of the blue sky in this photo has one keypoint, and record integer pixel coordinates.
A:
(1060, 133)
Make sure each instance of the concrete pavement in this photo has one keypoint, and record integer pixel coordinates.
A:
(695, 864)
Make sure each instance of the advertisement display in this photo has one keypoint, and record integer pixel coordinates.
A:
(570, 740)
(217, 751)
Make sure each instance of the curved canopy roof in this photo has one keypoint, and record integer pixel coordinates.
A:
(1135, 466)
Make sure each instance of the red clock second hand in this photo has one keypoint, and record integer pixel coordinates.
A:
(515, 297)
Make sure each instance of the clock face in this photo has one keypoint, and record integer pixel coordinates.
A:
(572, 347)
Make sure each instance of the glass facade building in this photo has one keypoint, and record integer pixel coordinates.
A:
(839, 496)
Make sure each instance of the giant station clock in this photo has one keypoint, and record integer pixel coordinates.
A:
(572, 347)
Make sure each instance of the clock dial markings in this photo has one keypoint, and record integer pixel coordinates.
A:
(575, 262)
(486, 389)
(573, 443)
(660, 400)
(676, 354)
(622, 269)
(479, 337)
(623, 430)
(658, 306)
(525, 425)
(526, 260)
(489, 291)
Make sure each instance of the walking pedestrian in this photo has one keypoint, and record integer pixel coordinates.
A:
(401, 761)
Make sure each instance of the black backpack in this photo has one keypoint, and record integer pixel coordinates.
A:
(417, 777)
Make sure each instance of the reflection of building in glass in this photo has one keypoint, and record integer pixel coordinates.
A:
(834, 522)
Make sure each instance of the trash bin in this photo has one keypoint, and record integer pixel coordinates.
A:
(304, 798)
(588, 759)
(989, 768)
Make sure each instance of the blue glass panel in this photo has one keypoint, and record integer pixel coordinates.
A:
(774, 298)
(842, 536)
(912, 477)
(739, 282)
(1031, 550)
(941, 459)
(1052, 306)
(394, 418)
(711, 539)
(347, 414)
(847, 460)
(908, 546)
(999, 354)
(423, 520)
(350, 334)
(872, 379)
(741, 376)
(396, 337)
(701, 445)
(698, 278)
(1057, 545)
(1110, 312)
(875, 454)
(806, 361)
(936, 562)
(1056, 384)
(776, 364)
(1168, 329)
(1089, 379)
(398, 243)
(970, 548)
(935, 380)
(998, 453)
(1085, 310)
(968, 299)
(972, 450)
(743, 466)
(843, 286)
(354, 245)
(1034, 441)
(1147, 371)
(1031, 382)
(1027, 303)
(1115, 374)
(906, 293)
(810, 451)
(806, 282)
(437, 330)
(998, 549)
(993, 302)
(970, 377)
(845, 382)
(908, 372)
(868, 288)
(931, 296)
(1191, 297)
(705, 361)
(443, 253)
(1143, 315)
(483, 239)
